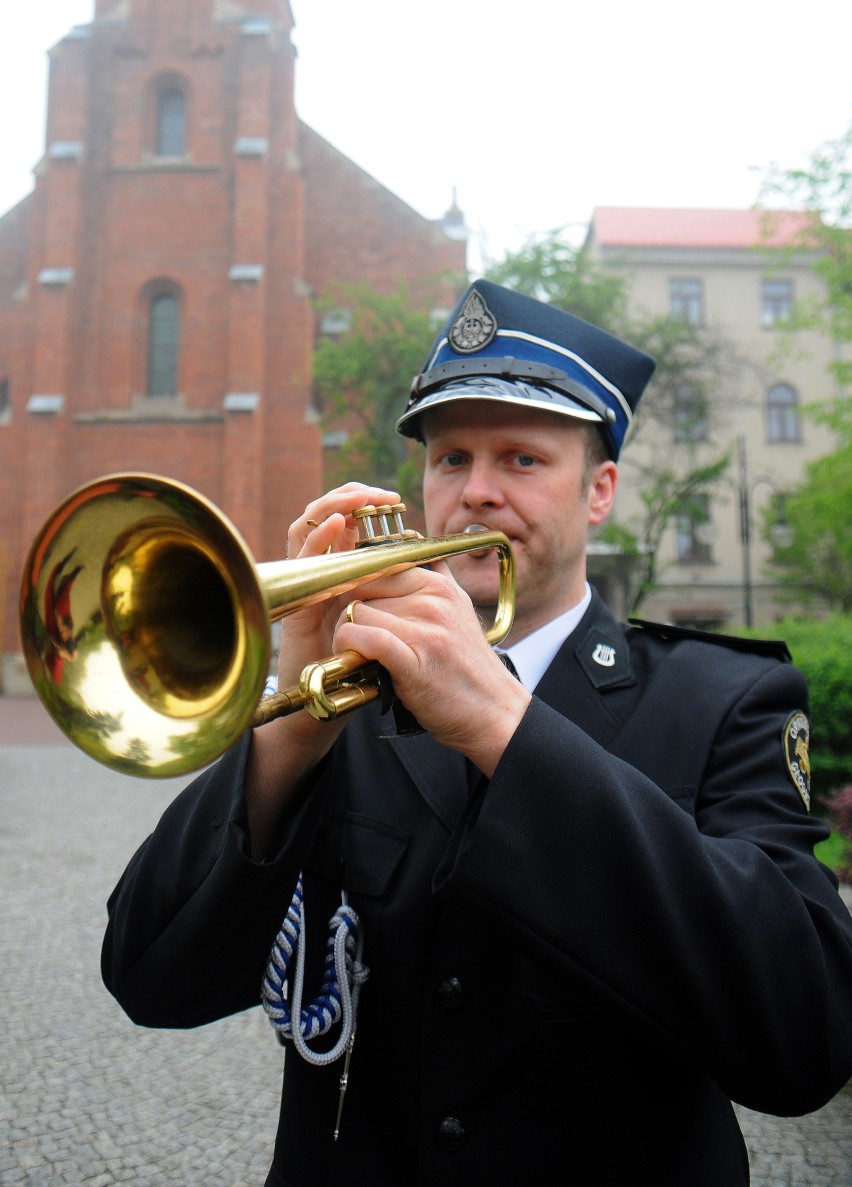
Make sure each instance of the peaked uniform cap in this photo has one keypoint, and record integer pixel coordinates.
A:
(503, 346)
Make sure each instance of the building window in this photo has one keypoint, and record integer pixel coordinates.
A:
(776, 301)
(782, 417)
(5, 405)
(170, 139)
(163, 345)
(694, 532)
(690, 414)
(334, 323)
(686, 300)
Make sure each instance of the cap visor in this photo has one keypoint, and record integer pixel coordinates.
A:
(498, 391)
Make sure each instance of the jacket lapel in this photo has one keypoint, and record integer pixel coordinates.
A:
(439, 774)
(590, 681)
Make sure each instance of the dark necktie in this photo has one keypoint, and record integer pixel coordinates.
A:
(508, 665)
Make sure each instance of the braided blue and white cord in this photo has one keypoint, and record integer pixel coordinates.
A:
(343, 976)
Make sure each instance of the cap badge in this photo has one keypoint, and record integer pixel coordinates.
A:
(474, 327)
(797, 735)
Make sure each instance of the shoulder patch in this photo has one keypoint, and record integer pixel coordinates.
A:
(797, 736)
(775, 648)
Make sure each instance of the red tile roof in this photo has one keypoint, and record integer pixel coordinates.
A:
(631, 226)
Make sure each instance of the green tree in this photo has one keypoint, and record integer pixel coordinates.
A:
(817, 562)
(823, 188)
(362, 377)
(552, 270)
(689, 359)
(665, 493)
(818, 559)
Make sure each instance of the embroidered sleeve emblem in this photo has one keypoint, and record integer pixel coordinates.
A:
(474, 327)
(797, 734)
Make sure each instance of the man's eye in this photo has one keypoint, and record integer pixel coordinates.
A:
(525, 460)
(453, 459)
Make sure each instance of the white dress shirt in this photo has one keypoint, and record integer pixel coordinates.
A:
(533, 655)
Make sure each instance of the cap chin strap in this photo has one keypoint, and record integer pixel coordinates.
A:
(508, 368)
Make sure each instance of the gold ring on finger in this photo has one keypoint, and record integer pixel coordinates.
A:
(350, 609)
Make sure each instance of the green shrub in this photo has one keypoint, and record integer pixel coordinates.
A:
(822, 650)
(840, 817)
(832, 852)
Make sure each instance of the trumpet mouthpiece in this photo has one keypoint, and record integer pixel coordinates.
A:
(473, 529)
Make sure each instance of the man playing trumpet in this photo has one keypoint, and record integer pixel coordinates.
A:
(585, 893)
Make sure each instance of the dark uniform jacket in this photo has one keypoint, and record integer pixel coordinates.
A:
(574, 967)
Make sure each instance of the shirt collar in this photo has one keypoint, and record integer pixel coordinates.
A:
(533, 655)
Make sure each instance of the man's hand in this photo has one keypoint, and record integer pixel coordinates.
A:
(285, 751)
(423, 628)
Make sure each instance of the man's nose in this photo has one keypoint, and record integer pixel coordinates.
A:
(482, 487)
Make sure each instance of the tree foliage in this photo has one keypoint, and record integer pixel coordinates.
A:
(689, 358)
(840, 818)
(817, 563)
(363, 375)
(822, 187)
(552, 270)
(664, 493)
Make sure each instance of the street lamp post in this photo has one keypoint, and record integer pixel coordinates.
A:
(781, 532)
(745, 530)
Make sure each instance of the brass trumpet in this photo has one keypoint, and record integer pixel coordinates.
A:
(146, 622)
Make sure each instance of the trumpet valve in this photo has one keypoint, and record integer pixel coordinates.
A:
(381, 525)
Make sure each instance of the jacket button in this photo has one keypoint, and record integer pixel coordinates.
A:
(451, 1133)
(450, 993)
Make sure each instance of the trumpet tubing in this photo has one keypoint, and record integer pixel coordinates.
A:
(145, 620)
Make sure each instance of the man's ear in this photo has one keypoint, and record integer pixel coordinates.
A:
(602, 491)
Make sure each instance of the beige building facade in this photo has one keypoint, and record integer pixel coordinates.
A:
(727, 273)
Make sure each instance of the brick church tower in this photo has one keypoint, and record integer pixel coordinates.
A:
(156, 287)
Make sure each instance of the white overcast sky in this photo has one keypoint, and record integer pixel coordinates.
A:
(534, 111)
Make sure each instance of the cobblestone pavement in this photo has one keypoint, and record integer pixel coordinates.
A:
(89, 1100)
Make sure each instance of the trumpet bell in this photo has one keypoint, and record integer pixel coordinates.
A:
(146, 622)
(142, 620)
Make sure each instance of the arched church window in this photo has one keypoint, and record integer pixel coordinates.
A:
(171, 123)
(163, 345)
